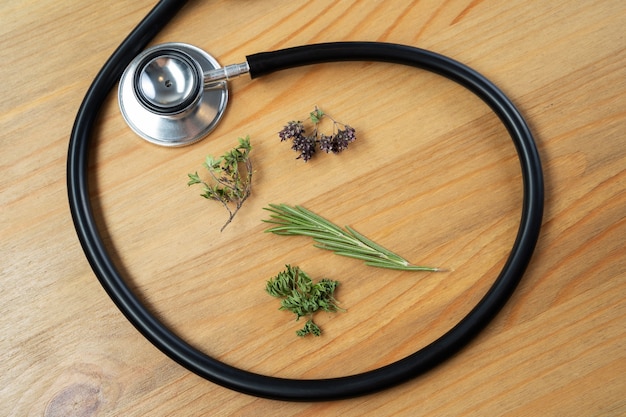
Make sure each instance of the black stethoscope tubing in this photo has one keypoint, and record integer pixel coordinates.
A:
(265, 63)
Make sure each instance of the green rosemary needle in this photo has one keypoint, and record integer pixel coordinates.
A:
(290, 221)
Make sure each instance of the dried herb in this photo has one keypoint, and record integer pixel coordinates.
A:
(290, 221)
(306, 145)
(231, 178)
(303, 297)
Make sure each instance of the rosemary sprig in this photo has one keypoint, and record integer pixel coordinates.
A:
(302, 297)
(290, 221)
(231, 176)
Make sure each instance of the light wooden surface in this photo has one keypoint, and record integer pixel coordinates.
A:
(433, 176)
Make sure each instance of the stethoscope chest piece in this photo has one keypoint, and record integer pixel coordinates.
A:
(163, 97)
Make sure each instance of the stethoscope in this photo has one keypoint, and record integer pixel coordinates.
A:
(174, 94)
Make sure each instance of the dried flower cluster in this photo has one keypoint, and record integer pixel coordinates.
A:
(303, 297)
(306, 145)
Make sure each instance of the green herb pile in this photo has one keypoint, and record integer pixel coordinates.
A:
(303, 297)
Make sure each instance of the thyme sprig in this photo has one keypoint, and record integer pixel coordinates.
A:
(303, 297)
(231, 176)
(290, 221)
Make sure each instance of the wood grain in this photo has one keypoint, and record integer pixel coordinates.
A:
(433, 176)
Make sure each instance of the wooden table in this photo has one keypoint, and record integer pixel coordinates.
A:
(433, 176)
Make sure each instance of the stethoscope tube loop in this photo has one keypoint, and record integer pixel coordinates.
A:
(263, 64)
